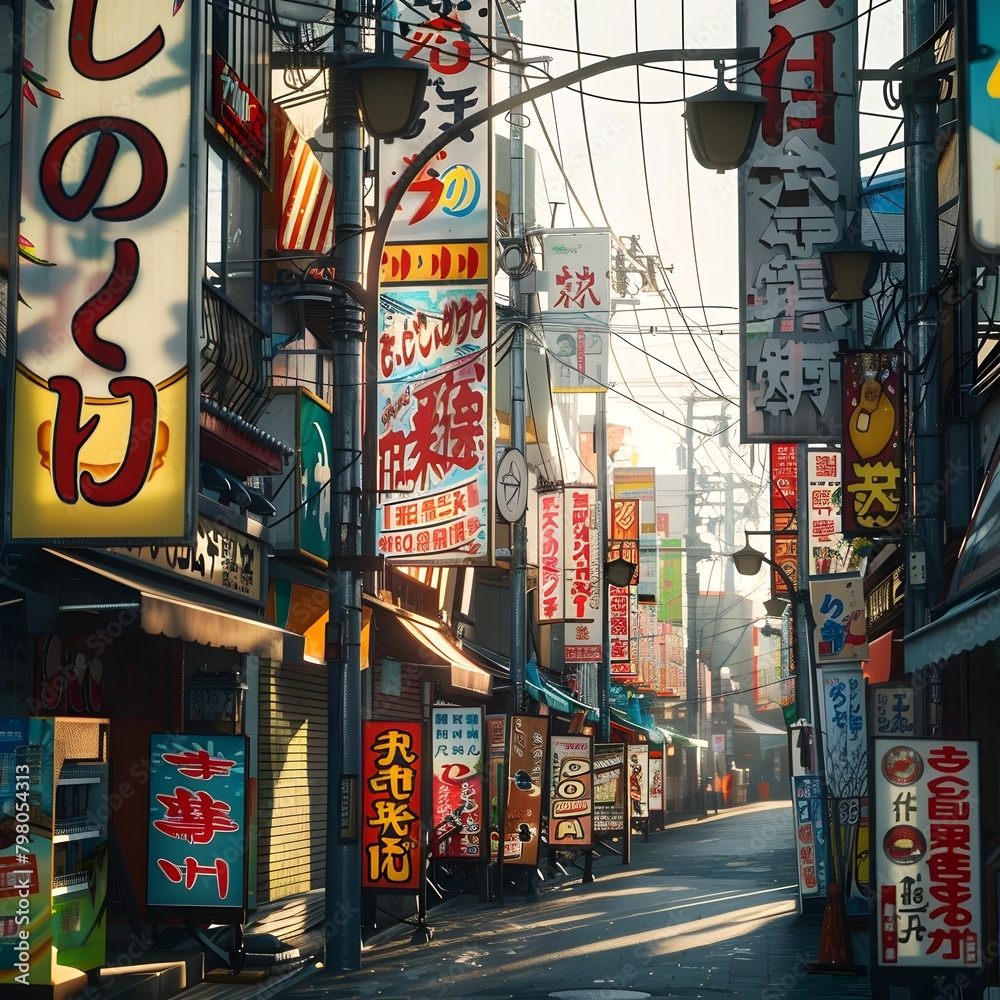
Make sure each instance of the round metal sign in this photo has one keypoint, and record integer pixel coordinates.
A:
(512, 485)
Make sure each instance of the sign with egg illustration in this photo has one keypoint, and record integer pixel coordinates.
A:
(926, 854)
(873, 468)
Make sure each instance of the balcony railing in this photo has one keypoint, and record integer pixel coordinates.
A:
(234, 370)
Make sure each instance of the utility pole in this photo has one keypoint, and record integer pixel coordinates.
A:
(692, 586)
(604, 667)
(518, 433)
(342, 907)
(926, 533)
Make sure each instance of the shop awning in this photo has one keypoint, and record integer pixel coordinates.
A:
(619, 720)
(420, 641)
(548, 694)
(168, 609)
(758, 727)
(679, 739)
(970, 623)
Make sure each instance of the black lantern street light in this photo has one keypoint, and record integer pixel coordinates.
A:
(749, 562)
(372, 90)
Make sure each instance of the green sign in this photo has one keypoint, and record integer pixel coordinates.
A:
(671, 579)
(315, 467)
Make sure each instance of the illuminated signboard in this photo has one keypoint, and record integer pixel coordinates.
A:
(392, 775)
(456, 781)
(103, 394)
(198, 825)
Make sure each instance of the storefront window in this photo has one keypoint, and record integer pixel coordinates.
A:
(233, 224)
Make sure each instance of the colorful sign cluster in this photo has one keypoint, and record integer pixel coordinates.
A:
(435, 358)
(392, 781)
(457, 807)
(577, 321)
(927, 850)
(797, 195)
(640, 485)
(198, 824)
(103, 399)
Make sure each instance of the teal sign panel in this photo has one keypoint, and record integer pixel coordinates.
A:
(198, 824)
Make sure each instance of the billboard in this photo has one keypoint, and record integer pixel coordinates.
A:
(798, 193)
(577, 321)
(104, 392)
(435, 354)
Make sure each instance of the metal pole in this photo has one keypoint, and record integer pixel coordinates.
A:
(926, 535)
(604, 667)
(518, 433)
(803, 664)
(692, 589)
(342, 907)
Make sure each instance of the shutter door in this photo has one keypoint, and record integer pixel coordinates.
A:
(292, 782)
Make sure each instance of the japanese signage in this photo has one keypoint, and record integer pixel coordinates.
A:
(456, 781)
(845, 740)
(623, 543)
(893, 710)
(828, 551)
(551, 530)
(435, 359)
(525, 773)
(26, 764)
(655, 782)
(103, 395)
(873, 459)
(619, 629)
(784, 500)
(392, 774)
(496, 749)
(609, 787)
(797, 194)
(239, 116)
(810, 833)
(640, 485)
(577, 322)
(198, 824)
(584, 604)
(926, 846)
(221, 557)
(571, 792)
(434, 427)
(638, 781)
(670, 607)
(981, 98)
(838, 609)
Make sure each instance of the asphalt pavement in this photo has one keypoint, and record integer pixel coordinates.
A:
(705, 908)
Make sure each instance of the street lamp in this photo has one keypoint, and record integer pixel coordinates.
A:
(354, 488)
(748, 562)
(850, 269)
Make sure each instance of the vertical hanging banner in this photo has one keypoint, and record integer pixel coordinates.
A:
(784, 500)
(810, 833)
(551, 554)
(392, 761)
(104, 391)
(577, 321)
(584, 604)
(525, 773)
(841, 617)
(198, 825)
(435, 359)
(798, 192)
(623, 543)
(927, 860)
(873, 456)
(456, 781)
(571, 792)
(828, 551)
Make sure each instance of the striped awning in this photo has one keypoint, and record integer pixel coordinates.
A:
(304, 192)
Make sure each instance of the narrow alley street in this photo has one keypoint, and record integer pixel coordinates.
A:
(705, 908)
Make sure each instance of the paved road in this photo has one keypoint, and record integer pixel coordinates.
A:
(705, 909)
